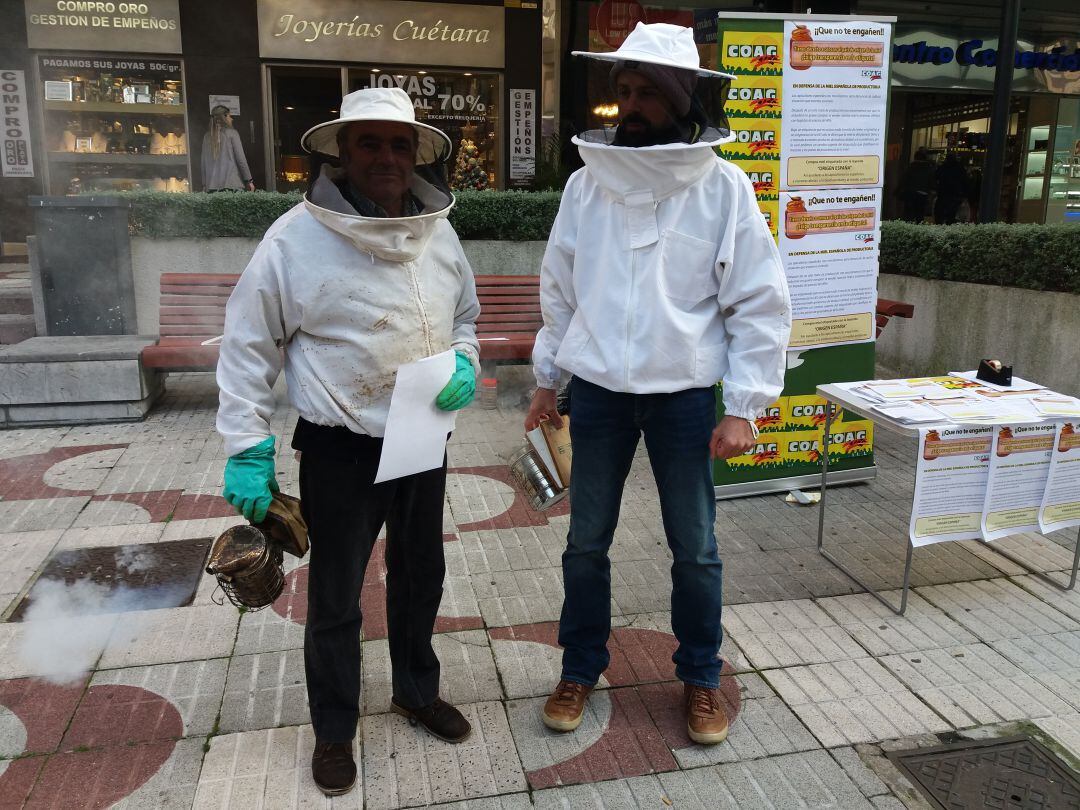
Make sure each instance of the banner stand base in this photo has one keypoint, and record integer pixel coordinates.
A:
(812, 481)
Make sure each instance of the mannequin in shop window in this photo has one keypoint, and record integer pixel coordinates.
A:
(224, 166)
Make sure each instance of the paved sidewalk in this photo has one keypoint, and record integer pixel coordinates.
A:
(190, 704)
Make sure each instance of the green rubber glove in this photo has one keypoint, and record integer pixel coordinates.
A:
(461, 389)
(250, 481)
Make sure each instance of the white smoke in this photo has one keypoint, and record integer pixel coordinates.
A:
(134, 560)
(67, 627)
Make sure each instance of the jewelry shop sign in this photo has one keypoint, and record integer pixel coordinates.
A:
(150, 26)
(382, 31)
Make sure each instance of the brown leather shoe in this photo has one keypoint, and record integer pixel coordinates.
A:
(706, 722)
(566, 706)
(439, 718)
(332, 768)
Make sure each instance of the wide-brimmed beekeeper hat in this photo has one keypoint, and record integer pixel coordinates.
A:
(661, 44)
(378, 104)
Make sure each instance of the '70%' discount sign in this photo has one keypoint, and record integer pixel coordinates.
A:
(429, 97)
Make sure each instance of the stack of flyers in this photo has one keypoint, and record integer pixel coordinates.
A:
(1018, 383)
(1050, 404)
(983, 411)
(908, 413)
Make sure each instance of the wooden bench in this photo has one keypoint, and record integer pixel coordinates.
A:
(509, 318)
(193, 311)
(887, 309)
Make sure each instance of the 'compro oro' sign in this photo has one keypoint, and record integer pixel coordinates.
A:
(382, 31)
(15, 155)
(146, 26)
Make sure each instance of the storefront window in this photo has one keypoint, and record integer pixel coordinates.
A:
(301, 97)
(114, 124)
(1063, 204)
(464, 105)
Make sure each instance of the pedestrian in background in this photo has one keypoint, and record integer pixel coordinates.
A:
(917, 186)
(224, 167)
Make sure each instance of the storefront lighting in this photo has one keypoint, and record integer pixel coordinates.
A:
(422, 72)
(290, 108)
(606, 110)
(466, 74)
(376, 70)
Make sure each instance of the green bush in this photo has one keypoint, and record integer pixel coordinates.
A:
(511, 215)
(160, 215)
(1034, 257)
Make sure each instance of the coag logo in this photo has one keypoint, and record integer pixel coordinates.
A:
(872, 75)
(864, 238)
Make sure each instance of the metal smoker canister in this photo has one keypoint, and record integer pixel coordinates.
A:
(534, 481)
(247, 566)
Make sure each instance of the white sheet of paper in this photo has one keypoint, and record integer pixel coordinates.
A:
(907, 412)
(1019, 466)
(950, 483)
(416, 429)
(540, 448)
(1060, 506)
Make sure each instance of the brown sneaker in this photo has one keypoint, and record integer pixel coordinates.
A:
(333, 768)
(706, 722)
(565, 707)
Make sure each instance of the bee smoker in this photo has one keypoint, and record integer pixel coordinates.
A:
(247, 560)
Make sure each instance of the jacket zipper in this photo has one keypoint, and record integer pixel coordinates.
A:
(415, 283)
(629, 318)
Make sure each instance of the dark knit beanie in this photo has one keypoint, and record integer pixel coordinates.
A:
(676, 84)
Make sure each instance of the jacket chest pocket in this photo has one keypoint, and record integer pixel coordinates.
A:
(687, 267)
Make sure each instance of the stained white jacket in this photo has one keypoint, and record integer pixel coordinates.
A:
(349, 299)
(660, 274)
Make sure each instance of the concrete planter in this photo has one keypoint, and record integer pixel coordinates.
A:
(957, 324)
(152, 257)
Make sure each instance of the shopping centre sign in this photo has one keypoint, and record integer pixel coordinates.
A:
(382, 31)
(150, 26)
(934, 59)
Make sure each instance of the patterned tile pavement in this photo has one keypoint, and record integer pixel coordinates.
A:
(104, 704)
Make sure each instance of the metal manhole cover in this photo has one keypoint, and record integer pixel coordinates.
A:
(1013, 773)
(115, 579)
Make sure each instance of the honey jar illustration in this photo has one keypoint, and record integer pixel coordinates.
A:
(795, 206)
(930, 447)
(1068, 439)
(1003, 436)
(799, 35)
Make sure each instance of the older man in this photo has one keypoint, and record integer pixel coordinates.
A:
(363, 276)
(660, 279)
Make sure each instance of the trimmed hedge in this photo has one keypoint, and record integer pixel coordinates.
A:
(511, 215)
(1035, 257)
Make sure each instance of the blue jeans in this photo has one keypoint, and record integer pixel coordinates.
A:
(604, 429)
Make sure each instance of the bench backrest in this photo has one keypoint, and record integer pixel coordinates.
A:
(193, 304)
(509, 305)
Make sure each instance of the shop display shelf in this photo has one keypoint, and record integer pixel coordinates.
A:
(118, 158)
(114, 107)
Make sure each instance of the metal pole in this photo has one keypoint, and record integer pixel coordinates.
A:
(994, 166)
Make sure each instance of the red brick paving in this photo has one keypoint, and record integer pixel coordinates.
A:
(111, 714)
(43, 708)
(631, 746)
(22, 477)
(96, 779)
(520, 513)
(17, 780)
(159, 503)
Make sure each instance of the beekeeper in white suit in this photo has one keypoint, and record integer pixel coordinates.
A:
(363, 276)
(660, 279)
